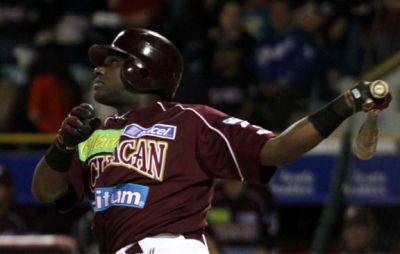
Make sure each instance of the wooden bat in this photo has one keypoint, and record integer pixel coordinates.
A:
(367, 138)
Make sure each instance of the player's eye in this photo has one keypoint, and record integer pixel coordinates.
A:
(112, 61)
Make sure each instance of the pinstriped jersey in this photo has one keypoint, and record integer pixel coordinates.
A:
(152, 171)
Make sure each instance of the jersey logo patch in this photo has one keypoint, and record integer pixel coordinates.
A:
(232, 120)
(157, 130)
(101, 141)
(127, 194)
(244, 124)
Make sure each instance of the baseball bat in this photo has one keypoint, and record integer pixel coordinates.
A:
(367, 138)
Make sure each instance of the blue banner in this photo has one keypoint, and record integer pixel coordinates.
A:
(308, 180)
(375, 181)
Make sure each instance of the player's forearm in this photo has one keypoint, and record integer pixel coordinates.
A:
(295, 141)
(50, 180)
(48, 184)
(307, 133)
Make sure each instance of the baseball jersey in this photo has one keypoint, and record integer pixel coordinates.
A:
(152, 171)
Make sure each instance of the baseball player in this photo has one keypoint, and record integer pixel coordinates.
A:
(149, 169)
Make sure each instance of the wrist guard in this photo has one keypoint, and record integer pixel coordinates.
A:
(59, 157)
(327, 119)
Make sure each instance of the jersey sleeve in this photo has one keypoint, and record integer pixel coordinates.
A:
(76, 191)
(230, 148)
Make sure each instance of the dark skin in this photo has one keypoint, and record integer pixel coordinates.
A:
(49, 185)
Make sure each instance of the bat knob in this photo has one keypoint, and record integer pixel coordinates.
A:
(379, 89)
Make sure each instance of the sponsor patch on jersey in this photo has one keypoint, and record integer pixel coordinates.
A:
(232, 120)
(244, 124)
(157, 130)
(127, 194)
(101, 141)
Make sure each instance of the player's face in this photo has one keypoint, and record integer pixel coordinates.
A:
(107, 85)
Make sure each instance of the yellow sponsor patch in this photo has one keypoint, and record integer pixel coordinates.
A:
(101, 141)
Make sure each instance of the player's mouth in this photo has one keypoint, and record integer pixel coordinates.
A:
(97, 84)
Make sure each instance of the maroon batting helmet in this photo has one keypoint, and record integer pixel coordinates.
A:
(153, 64)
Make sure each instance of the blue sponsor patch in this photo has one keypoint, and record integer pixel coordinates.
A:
(126, 194)
(157, 130)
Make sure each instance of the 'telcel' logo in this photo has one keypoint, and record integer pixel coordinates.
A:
(157, 130)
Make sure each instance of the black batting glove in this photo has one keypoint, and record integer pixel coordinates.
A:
(77, 126)
(358, 98)
(362, 99)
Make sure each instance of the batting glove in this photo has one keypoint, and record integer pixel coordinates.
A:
(360, 98)
(77, 126)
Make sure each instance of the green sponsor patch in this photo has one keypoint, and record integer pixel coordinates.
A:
(101, 141)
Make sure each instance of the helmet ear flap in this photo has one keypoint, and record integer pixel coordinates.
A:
(134, 76)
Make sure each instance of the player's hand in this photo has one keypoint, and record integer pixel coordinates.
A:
(80, 123)
(358, 98)
(362, 99)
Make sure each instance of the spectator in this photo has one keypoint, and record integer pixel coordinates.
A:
(243, 219)
(384, 37)
(11, 219)
(18, 20)
(256, 19)
(8, 96)
(229, 79)
(187, 25)
(367, 229)
(361, 231)
(125, 13)
(343, 40)
(52, 92)
(284, 63)
(189, 21)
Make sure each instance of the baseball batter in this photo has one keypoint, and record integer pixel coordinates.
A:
(149, 170)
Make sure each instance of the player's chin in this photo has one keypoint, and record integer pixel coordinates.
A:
(104, 99)
(100, 97)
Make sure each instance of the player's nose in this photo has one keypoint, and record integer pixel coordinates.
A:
(98, 71)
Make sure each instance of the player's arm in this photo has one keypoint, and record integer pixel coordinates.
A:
(48, 184)
(308, 132)
(50, 179)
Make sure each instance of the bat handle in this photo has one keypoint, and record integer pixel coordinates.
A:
(367, 138)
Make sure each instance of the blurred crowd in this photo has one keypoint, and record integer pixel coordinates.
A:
(267, 61)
